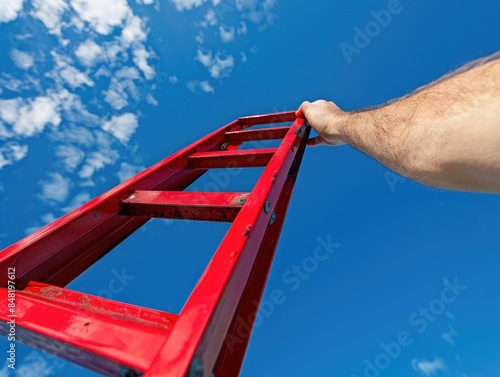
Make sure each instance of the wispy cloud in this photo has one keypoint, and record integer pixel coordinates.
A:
(229, 20)
(227, 33)
(68, 55)
(102, 16)
(217, 64)
(89, 53)
(10, 9)
(29, 117)
(428, 368)
(22, 59)
(55, 188)
(122, 127)
(50, 13)
(449, 336)
(183, 5)
(70, 155)
(204, 86)
(11, 153)
(128, 170)
(77, 201)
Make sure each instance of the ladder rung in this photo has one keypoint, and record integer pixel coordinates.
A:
(231, 159)
(271, 133)
(206, 206)
(288, 116)
(103, 335)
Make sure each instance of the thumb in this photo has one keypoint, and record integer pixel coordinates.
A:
(302, 109)
(315, 141)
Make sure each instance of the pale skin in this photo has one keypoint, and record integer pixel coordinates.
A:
(444, 135)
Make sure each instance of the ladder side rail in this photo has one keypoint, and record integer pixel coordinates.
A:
(204, 321)
(232, 354)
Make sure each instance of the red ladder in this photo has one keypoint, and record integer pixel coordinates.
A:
(118, 339)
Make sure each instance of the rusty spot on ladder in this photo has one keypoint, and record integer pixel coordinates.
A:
(50, 292)
(274, 176)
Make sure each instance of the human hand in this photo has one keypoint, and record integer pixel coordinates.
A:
(326, 118)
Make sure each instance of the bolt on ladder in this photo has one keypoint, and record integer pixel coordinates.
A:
(118, 339)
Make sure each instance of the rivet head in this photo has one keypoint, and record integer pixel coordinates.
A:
(273, 218)
(267, 206)
(96, 216)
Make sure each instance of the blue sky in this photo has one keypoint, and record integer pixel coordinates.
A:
(93, 91)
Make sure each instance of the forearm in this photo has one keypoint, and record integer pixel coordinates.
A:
(446, 135)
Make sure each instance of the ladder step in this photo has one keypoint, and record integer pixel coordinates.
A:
(205, 206)
(271, 133)
(231, 159)
(109, 337)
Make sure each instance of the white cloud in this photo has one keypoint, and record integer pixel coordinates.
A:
(97, 161)
(89, 52)
(48, 218)
(183, 5)
(112, 50)
(173, 79)
(218, 65)
(244, 57)
(75, 135)
(141, 56)
(215, 2)
(55, 189)
(134, 31)
(202, 85)
(75, 78)
(206, 87)
(200, 38)
(70, 155)
(227, 34)
(145, 2)
(116, 99)
(122, 127)
(9, 9)
(22, 59)
(121, 86)
(65, 72)
(127, 171)
(4, 132)
(77, 201)
(30, 117)
(50, 13)
(102, 15)
(11, 153)
(151, 100)
(9, 109)
(204, 58)
(258, 12)
(242, 29)
(428, 368)
(210, 19)
(74, 110)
